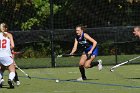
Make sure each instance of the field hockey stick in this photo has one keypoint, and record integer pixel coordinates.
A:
(116, 66)
(17, 53)
(88, 56)
(68, 55)
(23, 71)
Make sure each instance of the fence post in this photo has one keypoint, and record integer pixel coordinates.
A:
(116, 46)
(52, 34)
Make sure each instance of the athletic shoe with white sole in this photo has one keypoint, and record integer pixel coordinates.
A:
(11, 84)
(17, 83)
(100, 64)
(81, 79)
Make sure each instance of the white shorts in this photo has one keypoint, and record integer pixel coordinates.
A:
(6, 61)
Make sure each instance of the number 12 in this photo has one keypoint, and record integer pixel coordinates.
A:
(3, 43)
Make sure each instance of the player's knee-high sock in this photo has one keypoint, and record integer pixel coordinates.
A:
(0, 80)
(82, 70)
(1, 75)
(92, 64)
(11, 75)
(16, 77)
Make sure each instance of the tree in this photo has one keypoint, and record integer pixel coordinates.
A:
(41, 18)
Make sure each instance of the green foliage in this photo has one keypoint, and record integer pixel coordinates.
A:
(106, 48)
(42, 8)
(35, 14)
(34, 50)
(38, 50)
(28, 25)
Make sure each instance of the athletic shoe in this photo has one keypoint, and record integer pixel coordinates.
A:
(81, 79)
(17, 83)
(11, 84)
(100, 64)
(84, 78)
(2, 81)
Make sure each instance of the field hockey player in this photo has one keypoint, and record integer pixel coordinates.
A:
(89, 45)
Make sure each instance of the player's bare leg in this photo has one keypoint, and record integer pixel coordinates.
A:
(89, 63)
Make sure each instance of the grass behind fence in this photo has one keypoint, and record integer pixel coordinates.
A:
(69, 61)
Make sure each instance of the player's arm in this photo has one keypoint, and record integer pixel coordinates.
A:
(74, 47)
(10, 36)
(94, 42)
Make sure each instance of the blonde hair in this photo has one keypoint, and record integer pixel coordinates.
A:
(5, 26)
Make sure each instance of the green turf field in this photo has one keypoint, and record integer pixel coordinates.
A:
(125, 79)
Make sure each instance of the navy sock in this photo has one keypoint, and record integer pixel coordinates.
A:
(16, 77)
(82, 70)
(92, 64)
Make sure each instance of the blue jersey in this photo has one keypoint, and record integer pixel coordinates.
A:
(83, 42)
(86, 44)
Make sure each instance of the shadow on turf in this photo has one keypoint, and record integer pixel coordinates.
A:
(132, 78)
(6, 86)
(76, 80)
